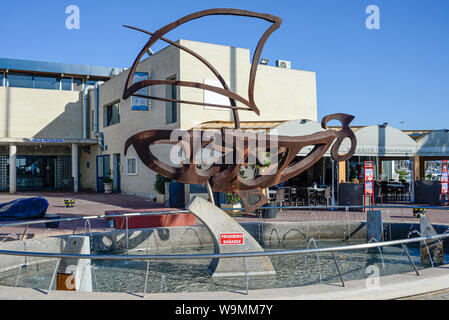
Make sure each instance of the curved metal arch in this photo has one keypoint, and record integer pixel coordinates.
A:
(130, 88)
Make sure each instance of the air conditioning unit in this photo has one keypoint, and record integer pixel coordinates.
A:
(283, 64)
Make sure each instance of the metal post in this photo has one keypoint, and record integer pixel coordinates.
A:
(24, 232)
(409, 258)
(333, 183)
(209, 191)
(338, 269)
(54, 275)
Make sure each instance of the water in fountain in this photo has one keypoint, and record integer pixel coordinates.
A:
(12, 236)
(277, 236)
(425, 243)
(347, 224)
(181, 241)
(380, 251)
(317, 255)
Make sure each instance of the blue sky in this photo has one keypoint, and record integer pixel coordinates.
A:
(399, 73)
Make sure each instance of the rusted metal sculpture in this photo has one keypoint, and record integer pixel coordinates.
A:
(224, 176)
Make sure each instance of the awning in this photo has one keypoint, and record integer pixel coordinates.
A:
(434, 144)
(384, 141)
(304, 127)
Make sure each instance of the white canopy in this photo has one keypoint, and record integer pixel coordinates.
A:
(434, 144)
(304, 127)
(384, 141)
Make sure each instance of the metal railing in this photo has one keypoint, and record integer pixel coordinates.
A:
(244, 255)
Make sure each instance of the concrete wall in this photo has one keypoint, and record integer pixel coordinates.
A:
(161, 66)
(280, 94)
(40, 113)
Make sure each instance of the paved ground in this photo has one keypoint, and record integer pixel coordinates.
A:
(87, 204)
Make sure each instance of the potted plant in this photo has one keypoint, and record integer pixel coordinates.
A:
(107, 183)
(233, 202)
(159, 186)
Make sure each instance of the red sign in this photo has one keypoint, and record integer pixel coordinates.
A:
(368, 190)
(231, 239)
(444, 178)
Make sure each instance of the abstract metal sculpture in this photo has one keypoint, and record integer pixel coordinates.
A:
(224, 176)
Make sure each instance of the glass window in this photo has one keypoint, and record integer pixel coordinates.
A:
(139, 103)
(111, 115)
(131, 166)
(77, 84)
(2, 77)
(66, 84)
(46, 82)
(171, 107)
(92, 81)
(20, 80)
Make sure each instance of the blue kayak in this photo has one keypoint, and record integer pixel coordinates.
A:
(23, 209)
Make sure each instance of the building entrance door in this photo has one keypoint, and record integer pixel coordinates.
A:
(116, 173)
(103, 170)
(35, 172)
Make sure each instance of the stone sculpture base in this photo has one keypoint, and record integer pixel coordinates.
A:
(432, 247)
(75, 274)
(219, 222)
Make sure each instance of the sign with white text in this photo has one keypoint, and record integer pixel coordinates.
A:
(231, 239)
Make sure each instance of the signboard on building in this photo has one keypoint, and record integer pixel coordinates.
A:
(368, 196)
(444, 180)
(231, 239)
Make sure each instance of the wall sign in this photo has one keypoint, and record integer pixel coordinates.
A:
(45, 140)
(444, 179)
(231, 239)
(368, 182)
(138, 103)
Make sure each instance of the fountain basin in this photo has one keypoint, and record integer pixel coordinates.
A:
(189, 278)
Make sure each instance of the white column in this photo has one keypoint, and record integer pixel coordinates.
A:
(75, 166)
(412, 180)
(12, 168)
(333, 182)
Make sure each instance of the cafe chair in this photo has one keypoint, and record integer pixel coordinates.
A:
(378, 194)
(327, 196)
(280, 197)
(293, 197)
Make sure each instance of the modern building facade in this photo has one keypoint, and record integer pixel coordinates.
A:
(41, 122)
(64, 126)
(64, 121)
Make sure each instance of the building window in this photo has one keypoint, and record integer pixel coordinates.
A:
(139, 103)
(2, 78)
(131, 166)
(66, 84)
(45, 82)
(92, 81)
(171, 107)
(20, 80)
(77, 84)
(111, 114)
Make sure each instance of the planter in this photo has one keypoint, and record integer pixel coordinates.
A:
(269, 213)
(107, 187)
(235, 213)
(160, 198)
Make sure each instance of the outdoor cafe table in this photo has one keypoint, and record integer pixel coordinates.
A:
(316, 191)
